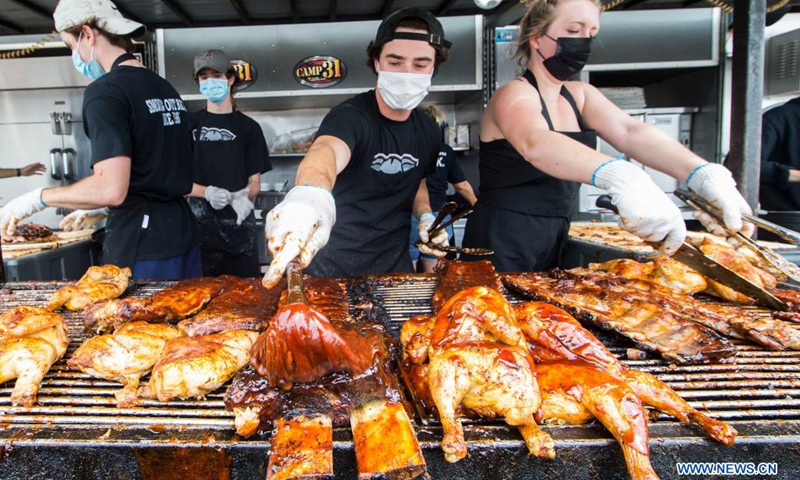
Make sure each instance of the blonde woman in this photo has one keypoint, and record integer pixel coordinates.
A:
(538, 144)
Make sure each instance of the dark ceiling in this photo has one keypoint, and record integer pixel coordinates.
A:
(35, 16)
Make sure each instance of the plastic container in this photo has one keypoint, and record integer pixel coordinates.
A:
(301, 140)
(281, 143)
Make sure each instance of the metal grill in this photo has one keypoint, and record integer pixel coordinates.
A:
(72, 398)
(760, 385)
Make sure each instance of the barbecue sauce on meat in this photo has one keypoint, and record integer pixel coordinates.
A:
(306, 342)
(325, 349)
(453, 276)
(246, 306)
(335, 394)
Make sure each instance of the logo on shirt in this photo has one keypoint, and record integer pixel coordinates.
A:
(213, 134)
(440, 160)
(169, 108)
(393, 163)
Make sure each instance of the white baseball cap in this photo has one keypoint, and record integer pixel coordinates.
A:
(70, 13)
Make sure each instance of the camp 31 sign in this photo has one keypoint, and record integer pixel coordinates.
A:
(246, 74)
(320, 71)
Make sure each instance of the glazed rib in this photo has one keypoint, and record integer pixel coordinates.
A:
(641, 316)
(180, 300)
(730, 320)
(257, 405)
(329, 297)
(453, 276)
(247, 306)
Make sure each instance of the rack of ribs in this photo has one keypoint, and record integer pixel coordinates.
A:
(303, 416)
(452, 276)
(245, 306)
(180, 300)
(653, 319)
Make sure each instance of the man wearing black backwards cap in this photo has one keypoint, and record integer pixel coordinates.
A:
(367, 165)
(141, 151)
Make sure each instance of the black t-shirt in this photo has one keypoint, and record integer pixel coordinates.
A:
(133, 112)
(447, 170)
(375, 193)
(233, 149)
(780, 152)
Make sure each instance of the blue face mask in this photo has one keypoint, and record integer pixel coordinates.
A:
(91, 69)
(214, 89)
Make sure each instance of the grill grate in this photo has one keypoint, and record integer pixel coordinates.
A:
(760, 385)
(72, 398)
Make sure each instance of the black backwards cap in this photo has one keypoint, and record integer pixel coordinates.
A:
(435, 37)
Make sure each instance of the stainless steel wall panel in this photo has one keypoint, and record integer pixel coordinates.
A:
(34, 73)
(34, 106)
(275, 50)
(645, 39)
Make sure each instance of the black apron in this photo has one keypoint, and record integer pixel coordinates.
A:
(129, 225)
(523, 213)
(226, 248)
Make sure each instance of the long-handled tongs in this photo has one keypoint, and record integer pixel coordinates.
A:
(693, 258)
(789, 269)
(439, 224)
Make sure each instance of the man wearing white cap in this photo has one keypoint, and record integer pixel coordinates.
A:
(141, 150)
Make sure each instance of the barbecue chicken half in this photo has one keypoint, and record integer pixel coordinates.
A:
(32, 339)
(574, 392)
(124, 356)
(195, 366)
(478, 360)
(98, 284)
(554, 335)
(726, 255)
(662, 271)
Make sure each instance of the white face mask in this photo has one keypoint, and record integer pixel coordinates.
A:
(403, 91)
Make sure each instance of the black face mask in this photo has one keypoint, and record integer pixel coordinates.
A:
(571, 56)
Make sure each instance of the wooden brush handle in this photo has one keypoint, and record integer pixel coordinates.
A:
(294, 279)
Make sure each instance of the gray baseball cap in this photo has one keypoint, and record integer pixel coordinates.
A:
(216, 60)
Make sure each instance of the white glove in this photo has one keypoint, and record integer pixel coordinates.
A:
(715, 183)
(219, 198)
(242, 205)
(82, 219)
(441, 238)
(20, 208)
(298, 227)
(643, 208)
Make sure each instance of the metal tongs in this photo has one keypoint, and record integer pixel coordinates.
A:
(789, 269)
(438, 225)
(695, 259)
